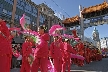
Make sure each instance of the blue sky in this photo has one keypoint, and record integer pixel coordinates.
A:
(72, 8)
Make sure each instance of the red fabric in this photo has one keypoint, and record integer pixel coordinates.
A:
(45, 37)
(60, 39)
(40, 62)
(5, 48)
(25, 65)
(80, 46)
(55, 49)
(42, 49)
(26, 51)
(66, 56)
(67, 50)
(74, 32)
(41, 55)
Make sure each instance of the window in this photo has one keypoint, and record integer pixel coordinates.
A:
(9, 1)
(27, 7)
(4, 11)
(20, 7)
(41, 18)
(20, 4)
(16, 16)
(34, 11)
(1, 5)
(8, 25)
(10, 13)
(44, 10)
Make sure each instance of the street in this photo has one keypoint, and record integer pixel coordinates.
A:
(99, 66)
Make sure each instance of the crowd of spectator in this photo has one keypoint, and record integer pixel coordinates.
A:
(16, 56)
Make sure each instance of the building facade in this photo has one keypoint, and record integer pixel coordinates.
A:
(104, 42)
(12, 11)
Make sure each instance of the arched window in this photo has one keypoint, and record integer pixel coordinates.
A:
(44, 10)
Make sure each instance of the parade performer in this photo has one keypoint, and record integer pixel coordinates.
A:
(75, 60)
(5, 47)
(26, 51)
(81, 52)
(87, 55)
(55, 51)
(74, 32)
(41, 54)
(66, 55)
(55, 32)
(99, 55)
(90, 54)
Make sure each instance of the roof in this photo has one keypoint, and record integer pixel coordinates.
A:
(95, 8)
(71, 20)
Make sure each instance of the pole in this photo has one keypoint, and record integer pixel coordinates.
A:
(81, 23)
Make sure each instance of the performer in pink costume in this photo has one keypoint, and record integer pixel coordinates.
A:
(26, 51)
(5, 47)
(41, 56)
(81, 52)
(67, 50)
(55, 49)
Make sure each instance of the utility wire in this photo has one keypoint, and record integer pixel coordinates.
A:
(64, 12)
(61, 8)
(60, 15)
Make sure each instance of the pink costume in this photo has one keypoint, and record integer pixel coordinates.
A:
(55, 49)
(67, 50)
(26, 51)
(5, 48)
(41, 55)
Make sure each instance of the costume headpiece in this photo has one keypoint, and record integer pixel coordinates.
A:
(53, 30)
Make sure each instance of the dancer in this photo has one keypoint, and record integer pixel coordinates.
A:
(74, 32)
(5, 48)
(55, 49)
(26, 51)
(67, 50)
(81, 52)
(41, 56)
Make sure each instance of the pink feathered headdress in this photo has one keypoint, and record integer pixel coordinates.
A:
(54, 28)
(29, 33)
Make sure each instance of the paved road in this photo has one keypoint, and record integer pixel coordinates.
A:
(99, 66)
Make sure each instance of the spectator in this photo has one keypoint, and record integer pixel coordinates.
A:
(19, 60)
(14, 57)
